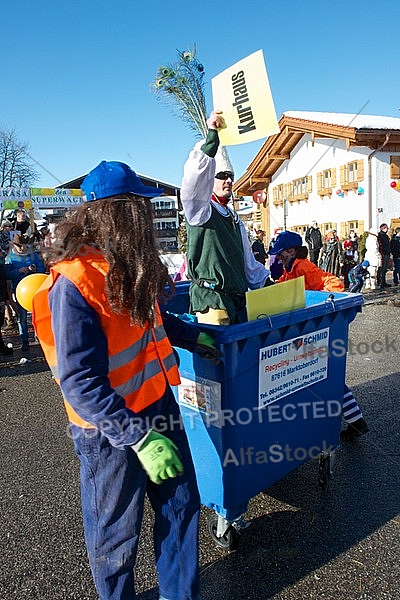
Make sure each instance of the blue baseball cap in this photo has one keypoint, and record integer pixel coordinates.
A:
(285, 240)
(111, 178)
(365, 263)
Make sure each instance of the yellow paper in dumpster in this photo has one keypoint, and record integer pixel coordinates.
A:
(275, 299)
(243, 94)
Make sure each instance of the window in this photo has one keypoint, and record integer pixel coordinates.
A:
(395, 167)
(351, 226)
(351, 174)
(278, 195)
(328, 227)
(301, 188)
(326, 180)
(300, 229)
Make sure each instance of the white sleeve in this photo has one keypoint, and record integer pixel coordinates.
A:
(256, 273)
(197, 186)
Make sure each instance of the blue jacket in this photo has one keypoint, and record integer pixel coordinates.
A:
(14, 262)
(358, 272)
(83, 365)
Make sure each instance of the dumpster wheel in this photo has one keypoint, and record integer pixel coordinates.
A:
(230, 538)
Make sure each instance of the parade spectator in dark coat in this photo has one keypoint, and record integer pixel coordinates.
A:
(395, 250)
(314, 241)
(384, 249)
(258, 248)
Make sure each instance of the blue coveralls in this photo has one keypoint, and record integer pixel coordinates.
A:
(113, 482)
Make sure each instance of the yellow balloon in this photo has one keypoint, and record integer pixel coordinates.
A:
(27, 288)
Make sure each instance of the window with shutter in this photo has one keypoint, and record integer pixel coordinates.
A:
(360, 170)
(326, 180)
(351, 174)
(342, 175)
(395, 167)
(301, 189)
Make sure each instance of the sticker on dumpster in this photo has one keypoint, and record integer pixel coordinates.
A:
(203, 395)
(292, 365)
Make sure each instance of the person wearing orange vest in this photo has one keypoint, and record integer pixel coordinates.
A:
(288, 248)
(99, 323)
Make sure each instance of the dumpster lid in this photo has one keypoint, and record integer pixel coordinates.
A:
(317, 304)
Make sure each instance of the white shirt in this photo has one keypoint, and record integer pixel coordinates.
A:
(196, 190)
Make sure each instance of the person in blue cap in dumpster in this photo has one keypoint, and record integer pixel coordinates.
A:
(357, 276)
(100, 327)
(288, 247)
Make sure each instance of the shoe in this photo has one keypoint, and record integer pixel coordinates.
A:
(10, 327)
(5, 350)
(354, 430)
(25, 346)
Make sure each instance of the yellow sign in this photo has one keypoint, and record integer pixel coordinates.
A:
(275, 299)
(56, 197)
(13, 204)
(243, 95)
(56, 192)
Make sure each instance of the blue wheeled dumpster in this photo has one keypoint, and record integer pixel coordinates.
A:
(273, 403)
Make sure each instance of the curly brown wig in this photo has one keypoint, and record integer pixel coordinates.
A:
(122, 230)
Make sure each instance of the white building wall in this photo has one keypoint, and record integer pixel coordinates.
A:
(308, 159)
(386, 201)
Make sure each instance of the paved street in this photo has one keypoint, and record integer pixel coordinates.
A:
(303, 542)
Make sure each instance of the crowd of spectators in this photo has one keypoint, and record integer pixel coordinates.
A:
(340, 257)
(22, 252)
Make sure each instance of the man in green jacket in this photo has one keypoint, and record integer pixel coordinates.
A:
(220, 263)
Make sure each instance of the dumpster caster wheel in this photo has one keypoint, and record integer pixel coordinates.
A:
(325, 469)
(229, 540)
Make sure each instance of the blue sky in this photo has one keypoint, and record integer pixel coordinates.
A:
(76, 75)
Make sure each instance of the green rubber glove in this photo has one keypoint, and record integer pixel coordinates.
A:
(159, 457)
(205, 347)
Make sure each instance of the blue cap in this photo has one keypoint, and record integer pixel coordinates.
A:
(365, 263)
(285, 240)
(111, 178)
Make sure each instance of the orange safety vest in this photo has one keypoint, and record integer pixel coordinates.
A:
(314, 277)
(141, 359)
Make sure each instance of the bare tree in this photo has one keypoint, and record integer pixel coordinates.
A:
(16, 166)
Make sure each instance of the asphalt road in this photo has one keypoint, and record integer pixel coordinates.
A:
(303, 542)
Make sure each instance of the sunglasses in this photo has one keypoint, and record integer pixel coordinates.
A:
(224, 175)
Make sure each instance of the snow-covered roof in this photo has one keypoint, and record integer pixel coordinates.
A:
(359, 121)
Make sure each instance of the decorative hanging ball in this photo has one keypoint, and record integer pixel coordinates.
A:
(341, 195)
(339, 192)
(360, 191)
(259, 196)
(398, 184)
(393, 184)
